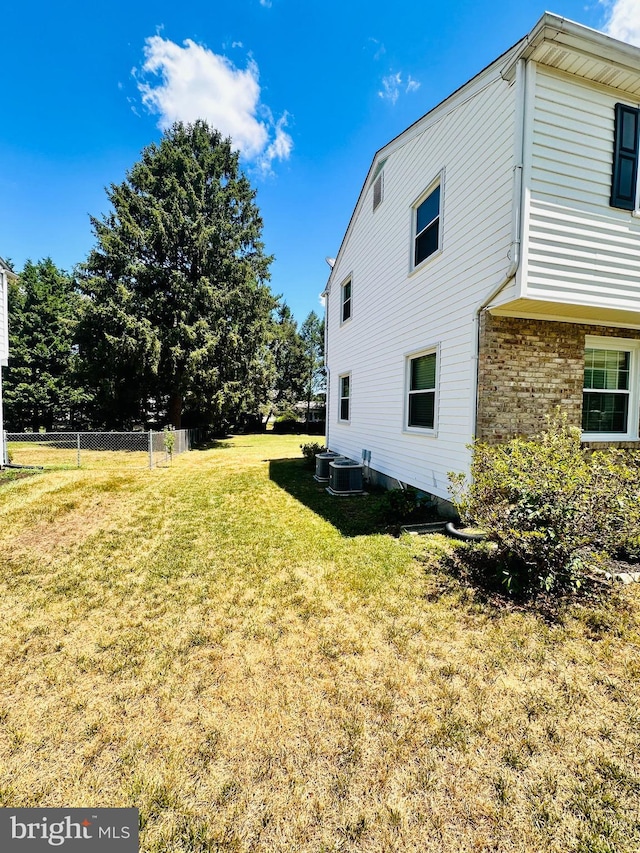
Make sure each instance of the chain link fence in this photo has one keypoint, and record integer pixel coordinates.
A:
(142, 449)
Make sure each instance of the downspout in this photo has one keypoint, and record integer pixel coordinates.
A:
(516, 226)
(327, 372)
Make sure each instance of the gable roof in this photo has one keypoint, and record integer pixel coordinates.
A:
(554, 41)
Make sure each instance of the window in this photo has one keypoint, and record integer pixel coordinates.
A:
(346, 301)
(427, 226)
(610, 394)
(345, 396)
(624, 182)
(421, 393)
(377, 190)
(377, 182)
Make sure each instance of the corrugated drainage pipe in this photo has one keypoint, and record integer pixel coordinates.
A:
(466, 537)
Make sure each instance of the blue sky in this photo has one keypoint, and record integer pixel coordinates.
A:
(307, 90)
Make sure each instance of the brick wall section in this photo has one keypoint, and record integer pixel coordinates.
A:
(528, 367)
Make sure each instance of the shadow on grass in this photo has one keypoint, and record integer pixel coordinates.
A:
(212, 444)
(357, 515)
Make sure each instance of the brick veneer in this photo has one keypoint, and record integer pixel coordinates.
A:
(528, 367)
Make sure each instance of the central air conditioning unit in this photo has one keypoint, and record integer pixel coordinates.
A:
(345, 477)
(322, 464)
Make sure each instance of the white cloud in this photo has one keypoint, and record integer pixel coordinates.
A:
(266, 3)
(279, 148)
(191, 82)
(379, 48)
(392, 85)
(623, 20)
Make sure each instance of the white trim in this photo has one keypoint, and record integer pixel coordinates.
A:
(438, 181)
(632, 346)
(431, 432)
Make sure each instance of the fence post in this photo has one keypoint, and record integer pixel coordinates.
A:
(5, 449)
(150, 448)
(78, 442)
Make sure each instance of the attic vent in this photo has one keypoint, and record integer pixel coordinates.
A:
(377, 190)
(345, 477)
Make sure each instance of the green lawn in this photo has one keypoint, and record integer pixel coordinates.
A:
(244, 658)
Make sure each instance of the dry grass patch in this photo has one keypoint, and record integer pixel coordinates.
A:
(199, 643)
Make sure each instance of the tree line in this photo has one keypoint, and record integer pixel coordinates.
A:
(170, 320)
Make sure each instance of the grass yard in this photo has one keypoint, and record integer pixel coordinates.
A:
(222, 645)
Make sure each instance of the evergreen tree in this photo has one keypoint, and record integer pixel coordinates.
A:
(289, 362)
(40, 388)
(312, 334)
(179, 309)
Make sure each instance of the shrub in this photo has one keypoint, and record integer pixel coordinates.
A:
(549, 505)
(287, 426)
(401, 505)
(309, 452)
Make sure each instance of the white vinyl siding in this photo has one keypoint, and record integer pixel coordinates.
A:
(580, 250)
(399, 311)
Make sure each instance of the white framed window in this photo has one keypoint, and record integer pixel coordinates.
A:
(377, 184)
(345, 300)
(378, 191)
(344, 409)
(611, 389)
(426, 224)
(421, 396)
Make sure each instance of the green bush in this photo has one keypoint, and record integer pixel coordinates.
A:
(309, 452)
(287, 426)
(402, 505)
(550, 506)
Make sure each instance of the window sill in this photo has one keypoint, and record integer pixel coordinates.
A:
(423, 431)
(413, 270)
(607, 437)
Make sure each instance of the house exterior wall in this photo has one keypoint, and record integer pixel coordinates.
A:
(577, 271)
(396, 312)
(528, 367)
(579, 249)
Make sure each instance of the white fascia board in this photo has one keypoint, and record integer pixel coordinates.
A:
(564, 33)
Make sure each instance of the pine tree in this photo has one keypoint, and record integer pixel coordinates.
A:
(40, 387)
(179, 308)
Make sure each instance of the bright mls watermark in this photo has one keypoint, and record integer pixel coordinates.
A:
(71, 830)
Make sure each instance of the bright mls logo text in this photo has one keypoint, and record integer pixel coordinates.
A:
(31, 830)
